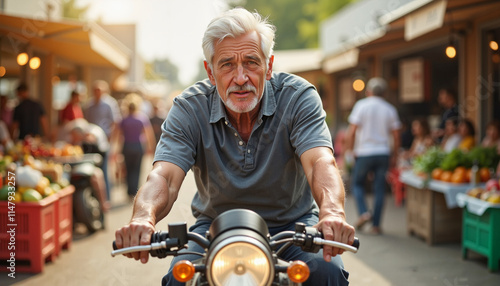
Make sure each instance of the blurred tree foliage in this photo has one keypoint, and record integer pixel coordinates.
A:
(297, 21)
(72, 11)
(160, 69)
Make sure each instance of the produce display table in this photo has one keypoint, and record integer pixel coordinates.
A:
(480, 229)
(36, 231)
(432, 211)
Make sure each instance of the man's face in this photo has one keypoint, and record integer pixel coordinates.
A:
(239, 72)
(97, 92)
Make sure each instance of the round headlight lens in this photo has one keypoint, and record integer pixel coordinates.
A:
(241, 264)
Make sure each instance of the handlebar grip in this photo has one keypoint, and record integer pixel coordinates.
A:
(356, 243)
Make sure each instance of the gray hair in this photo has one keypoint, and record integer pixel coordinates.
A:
(234, 23)
(102, 85)
(377, 86)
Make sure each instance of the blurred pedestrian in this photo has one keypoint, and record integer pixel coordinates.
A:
(29, 116)
(5, 110)
(5, 141)
(157, 119)
(447, 98)
(373, 121)
(92, 139)
(138, 138)
(104, 112)
(73, 109)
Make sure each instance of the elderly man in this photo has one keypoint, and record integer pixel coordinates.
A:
(374, 125)
(254, 139)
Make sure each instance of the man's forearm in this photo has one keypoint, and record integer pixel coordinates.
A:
(328, 188)
(154, 199)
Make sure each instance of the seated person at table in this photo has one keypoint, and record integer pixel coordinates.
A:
(492, 138)
(451, 138)
(467, 131)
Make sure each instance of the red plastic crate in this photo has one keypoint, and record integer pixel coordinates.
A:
(35, 234)
(64, 218)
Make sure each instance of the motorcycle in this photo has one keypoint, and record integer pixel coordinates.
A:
(239, 250)
(87, 202)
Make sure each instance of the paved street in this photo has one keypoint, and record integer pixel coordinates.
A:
(391, 259)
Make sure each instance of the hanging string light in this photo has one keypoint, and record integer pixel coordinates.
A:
(22, 59)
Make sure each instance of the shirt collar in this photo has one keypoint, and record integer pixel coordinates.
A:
(268, 104)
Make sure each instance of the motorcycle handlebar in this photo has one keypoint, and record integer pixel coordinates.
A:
(156, 245)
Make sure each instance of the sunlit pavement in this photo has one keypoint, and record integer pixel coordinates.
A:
(393, 258)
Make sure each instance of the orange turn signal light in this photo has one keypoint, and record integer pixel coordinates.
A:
(298, 271)
(183, 271)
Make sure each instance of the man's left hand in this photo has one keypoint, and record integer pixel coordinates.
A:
(334, 227)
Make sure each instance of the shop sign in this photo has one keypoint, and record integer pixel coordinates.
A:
(347, 95)
(411, 72)
(425, 20)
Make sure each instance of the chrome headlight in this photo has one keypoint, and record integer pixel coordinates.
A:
(241, 261)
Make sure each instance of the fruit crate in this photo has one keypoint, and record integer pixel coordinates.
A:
(481, 233)
(429, 217)
(64, 218)
(34, 234)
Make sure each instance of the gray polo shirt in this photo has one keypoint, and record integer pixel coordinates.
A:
(263, 174)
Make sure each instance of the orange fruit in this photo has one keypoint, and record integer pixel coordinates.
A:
(484, 174)
(460, 169)
(436, 173)
(467, 175)
(446, 176)
(458, 177)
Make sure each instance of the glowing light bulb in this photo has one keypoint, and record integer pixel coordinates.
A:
(22, 59)
(494, 45)
(35, 63)
(358, 85)
(451, 52)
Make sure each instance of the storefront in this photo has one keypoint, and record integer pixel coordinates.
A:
(47, 54)
(406, 43)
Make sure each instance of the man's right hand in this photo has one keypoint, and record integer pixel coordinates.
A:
(137, 232)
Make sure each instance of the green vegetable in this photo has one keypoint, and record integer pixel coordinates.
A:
(487, 157)
(454, 159)
(429, 160)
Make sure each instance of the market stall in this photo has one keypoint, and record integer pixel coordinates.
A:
(432, 210)
(36, 207)
(432, 186)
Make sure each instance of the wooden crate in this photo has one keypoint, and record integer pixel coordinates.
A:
(428, 216)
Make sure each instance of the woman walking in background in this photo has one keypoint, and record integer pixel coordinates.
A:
(138, 139)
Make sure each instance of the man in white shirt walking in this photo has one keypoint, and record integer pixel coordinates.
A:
(373, 121)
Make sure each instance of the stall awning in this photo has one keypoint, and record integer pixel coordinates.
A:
(83, 43)
(294, 61)
(343, 61)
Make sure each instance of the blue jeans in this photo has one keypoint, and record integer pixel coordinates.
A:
(322, 273)
(378, 165)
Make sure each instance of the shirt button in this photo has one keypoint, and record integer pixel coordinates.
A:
(236, 134)
(225, 122)
(248, 151)
(241, 143)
